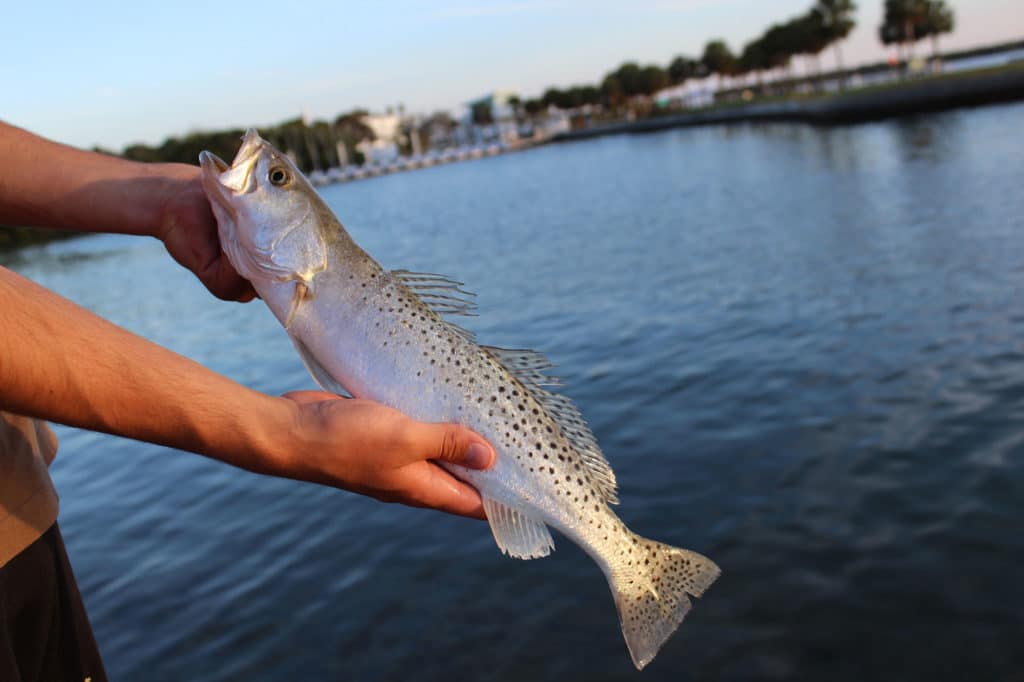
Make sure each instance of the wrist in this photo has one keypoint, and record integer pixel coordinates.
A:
(272, 438)
(174, 189)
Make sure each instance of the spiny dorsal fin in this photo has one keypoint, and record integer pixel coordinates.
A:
(443, 295)
(529, 366)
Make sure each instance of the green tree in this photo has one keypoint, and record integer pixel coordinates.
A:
(903, 23)
(517, 106)
(350, 130)
(682, 69)
(652, 79)
(809, 36)
(534, 106)
(778, 46)
(482, 114)
(611, 90)
(753, 59)
(836, 18)
(630, 78)
(938, 19)
(719, 59)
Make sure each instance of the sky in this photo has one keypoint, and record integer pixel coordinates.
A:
(115, 73)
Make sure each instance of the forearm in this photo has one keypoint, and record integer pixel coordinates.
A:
(47, 184)
(60, 362)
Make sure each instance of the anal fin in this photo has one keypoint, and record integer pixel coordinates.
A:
(516, 533)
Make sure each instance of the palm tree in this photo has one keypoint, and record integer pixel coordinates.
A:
(778, 44)
(903, 22)
(809, 37)
(836, 17)
(938, 19)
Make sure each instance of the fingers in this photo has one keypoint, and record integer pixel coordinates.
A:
(307, 397)
(428, 485)
(449, 443)
(225, 283)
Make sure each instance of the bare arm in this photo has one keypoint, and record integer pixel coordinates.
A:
(60, 362)
(46, 184)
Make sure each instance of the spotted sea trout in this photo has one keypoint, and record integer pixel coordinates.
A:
(384, 335)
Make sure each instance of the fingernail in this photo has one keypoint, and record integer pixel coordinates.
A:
(477, 456)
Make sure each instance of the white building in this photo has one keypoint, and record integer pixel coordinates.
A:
(387, 132)
(692, 94)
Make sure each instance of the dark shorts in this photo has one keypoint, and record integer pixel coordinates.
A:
(44, 631)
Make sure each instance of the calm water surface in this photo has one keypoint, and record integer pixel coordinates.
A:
(802, 350)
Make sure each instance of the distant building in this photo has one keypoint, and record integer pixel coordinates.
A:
(692, 94)
(503, 126)
(554, 121)
(387, 132)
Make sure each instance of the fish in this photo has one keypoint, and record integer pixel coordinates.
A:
(388, 336)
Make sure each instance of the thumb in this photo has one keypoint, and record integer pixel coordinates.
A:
(457, 445)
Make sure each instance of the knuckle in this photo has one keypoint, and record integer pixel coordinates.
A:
(449, 444)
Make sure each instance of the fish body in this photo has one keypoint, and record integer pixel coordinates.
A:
(381, 335)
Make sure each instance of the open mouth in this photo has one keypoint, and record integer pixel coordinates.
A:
(219, 178)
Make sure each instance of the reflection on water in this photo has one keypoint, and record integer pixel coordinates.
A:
(800, 348)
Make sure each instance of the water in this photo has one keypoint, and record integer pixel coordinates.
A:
(802, 350)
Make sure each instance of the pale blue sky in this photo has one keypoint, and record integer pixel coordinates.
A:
(112, 73)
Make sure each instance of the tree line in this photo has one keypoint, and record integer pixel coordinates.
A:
(315, 145)
(826, 23)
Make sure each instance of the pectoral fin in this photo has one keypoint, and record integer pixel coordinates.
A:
(300, 295)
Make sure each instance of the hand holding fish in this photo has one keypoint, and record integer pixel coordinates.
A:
(365, 447)
(189, 232)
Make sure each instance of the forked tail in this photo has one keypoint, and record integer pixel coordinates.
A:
(652, 590)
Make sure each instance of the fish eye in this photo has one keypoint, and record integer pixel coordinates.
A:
(278, 176)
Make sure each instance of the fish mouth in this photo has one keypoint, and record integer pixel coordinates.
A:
(221, 180)
(252, 144)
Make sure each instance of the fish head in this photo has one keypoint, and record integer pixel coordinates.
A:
(269, 217)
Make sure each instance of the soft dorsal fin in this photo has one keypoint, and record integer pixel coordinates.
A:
(529, 366)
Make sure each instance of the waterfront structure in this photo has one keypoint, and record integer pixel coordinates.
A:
(387, 131)
(492, 117)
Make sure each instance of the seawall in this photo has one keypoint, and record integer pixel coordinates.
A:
(910, 97)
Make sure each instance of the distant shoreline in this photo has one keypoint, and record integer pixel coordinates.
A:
(921, 95)
(915, 96)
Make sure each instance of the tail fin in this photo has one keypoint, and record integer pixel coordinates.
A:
(651, 594)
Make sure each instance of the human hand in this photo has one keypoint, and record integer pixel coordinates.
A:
(189, 232)
(367, 448)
